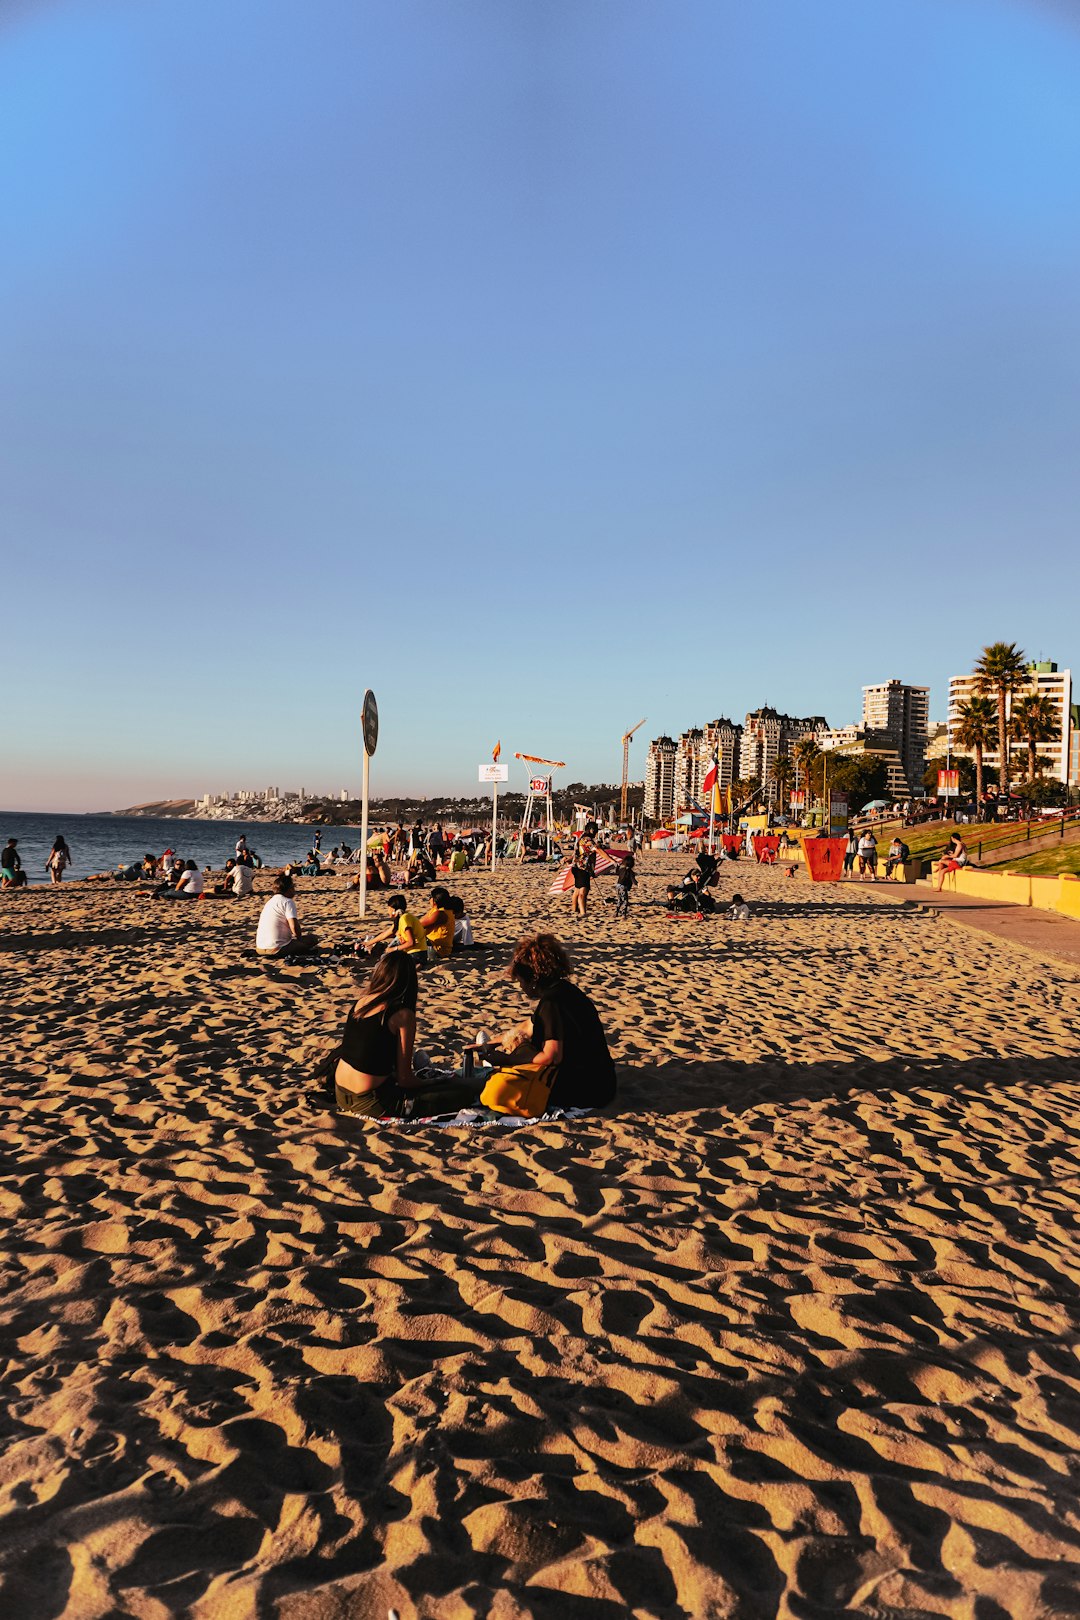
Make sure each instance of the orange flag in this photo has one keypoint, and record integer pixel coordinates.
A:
(496, 751)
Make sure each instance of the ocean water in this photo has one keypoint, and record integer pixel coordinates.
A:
(100, 843)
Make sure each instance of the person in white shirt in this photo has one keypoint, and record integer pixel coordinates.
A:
(739, 911)
(279, 932)
(189, 884)
(463, 935)
(242, 880)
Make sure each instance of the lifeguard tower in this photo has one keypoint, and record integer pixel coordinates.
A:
(539, 794)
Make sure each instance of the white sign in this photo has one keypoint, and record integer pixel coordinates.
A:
(540, 784)
(494, 773)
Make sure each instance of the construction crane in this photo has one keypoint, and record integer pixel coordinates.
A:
(626, 766)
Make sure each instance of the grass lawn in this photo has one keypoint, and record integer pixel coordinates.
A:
(1050, 862)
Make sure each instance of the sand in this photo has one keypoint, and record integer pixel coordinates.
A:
(793, 1332)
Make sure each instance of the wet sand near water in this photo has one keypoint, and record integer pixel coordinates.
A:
(792, 1332)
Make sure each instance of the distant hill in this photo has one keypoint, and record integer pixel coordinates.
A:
(160, 807)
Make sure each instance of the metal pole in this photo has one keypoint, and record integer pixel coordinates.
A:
(364, 836)
(494, 820)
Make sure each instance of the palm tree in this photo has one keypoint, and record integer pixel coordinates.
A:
(975, 730)
(804, 754)
(1035, 720)
(1000, 671)
(781, 774)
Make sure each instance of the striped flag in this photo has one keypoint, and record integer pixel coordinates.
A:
(496, 751)
(710, 776)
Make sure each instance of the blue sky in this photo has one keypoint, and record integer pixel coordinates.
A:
(542, 364)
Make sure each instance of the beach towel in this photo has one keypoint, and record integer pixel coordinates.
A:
(472, 1119)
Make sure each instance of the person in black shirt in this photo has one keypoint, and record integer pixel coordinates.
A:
(12, 875)
(565, 1028)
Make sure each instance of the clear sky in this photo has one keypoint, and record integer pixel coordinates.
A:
(542, 364)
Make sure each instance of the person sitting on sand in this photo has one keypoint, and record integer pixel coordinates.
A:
(420, 870)
(242, 881)
(12, 875)
(438, 922)
(403, 932)
(189, 885)
(682, 900)
(463, 934)
(738, 911)
(564, 1031)
(59, 858)
(279, 932)
(374, 1070)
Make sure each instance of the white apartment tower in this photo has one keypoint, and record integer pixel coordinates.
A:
(690, 768)
(1044, 677)
(660, 779)
(903, 713)
(768, 734)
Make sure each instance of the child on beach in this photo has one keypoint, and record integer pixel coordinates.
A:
(739, 911)
(624, 882)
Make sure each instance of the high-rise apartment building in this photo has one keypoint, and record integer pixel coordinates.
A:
(660, 779)
(767, 735)
(724, 738)
(689, 768)
(902, 714)
(1043, 677)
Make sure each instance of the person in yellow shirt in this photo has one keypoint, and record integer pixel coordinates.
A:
(404, 932)
(437, 923)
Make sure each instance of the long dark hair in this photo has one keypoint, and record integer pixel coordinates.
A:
(391, 984)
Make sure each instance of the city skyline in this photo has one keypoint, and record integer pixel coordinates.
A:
(540, 367)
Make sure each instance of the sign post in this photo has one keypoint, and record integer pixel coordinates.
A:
(494, 773)
(371, 737)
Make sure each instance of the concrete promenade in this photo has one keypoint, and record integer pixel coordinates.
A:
(1045, 932)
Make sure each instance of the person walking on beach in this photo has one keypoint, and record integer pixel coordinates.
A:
(624, 882)
(59, 859)
(581, 870)
(851, 850)
(868, 855)
(12, 875)
(279, 932)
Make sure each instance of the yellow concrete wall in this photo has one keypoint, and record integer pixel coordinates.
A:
(1069, 895)
(1018, 889)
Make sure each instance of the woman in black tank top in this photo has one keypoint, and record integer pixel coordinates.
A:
(374, 1071)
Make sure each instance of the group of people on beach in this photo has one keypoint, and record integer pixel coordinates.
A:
(12, 872)
(557, 1058)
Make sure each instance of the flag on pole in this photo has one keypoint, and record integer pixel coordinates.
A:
(496, 751)
(710, 777)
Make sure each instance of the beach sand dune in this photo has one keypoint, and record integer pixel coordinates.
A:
(794, 1331)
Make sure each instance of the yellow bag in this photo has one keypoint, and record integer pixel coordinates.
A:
(524, 1089)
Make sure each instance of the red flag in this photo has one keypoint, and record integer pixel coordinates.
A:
(710, 777)
(496, 751)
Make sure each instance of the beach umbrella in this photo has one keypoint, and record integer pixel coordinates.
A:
(564, 880)
(875, 804)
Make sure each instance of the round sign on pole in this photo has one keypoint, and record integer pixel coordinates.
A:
(371, 722)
